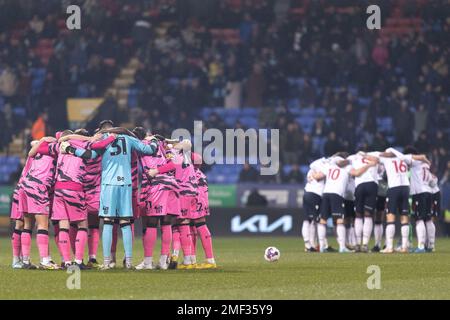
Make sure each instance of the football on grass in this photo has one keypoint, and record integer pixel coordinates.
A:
(272, 254)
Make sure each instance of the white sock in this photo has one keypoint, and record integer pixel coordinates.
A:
(176, 252)
(46, 260)
(353, 236)
(358, 229)
(106, 261)
(348, 239)
(378, 234)
(187, 260)
(26, 259)
(163, 259)
(421, 232)
(305, 234)
(431, 233)
(322, 234)
(340, 230)
(390, 233)
(193, 259)
(16, 259)
(148, 260)
(92, 256)
(128, 260)
(312, 234)
(211, 260)
(367, 230)
(78, 261)
(405, 234)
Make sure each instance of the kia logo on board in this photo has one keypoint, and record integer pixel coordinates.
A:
(260, 223)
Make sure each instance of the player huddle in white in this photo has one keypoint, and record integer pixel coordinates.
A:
(362, 190)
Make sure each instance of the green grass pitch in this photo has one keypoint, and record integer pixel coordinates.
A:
(244, 274)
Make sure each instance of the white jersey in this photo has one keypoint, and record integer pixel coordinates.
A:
(358, 161)
(434, 184)
(313, 185)
(336, 178)
(397, 170)
(420, 177)
(350, 189)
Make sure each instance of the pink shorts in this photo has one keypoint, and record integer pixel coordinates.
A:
(163, 202)
(16, 214)
(93, 201)
(69, 205)
(188, 207)
(35, 200)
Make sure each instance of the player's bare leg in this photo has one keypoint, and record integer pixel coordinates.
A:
(16, 244)
(390, 233)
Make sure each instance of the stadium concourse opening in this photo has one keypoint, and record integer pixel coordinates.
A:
(243, 141)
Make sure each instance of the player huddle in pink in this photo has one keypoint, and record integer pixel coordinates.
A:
(61, 183)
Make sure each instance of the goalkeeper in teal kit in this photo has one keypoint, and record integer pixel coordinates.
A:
(116, 189)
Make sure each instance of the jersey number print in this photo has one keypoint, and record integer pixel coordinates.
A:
(119, 149)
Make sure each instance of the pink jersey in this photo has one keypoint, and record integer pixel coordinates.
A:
(41, 170)
(185, 175)
(134, 171)
(163, 181)
(69, 168)
(202, 184)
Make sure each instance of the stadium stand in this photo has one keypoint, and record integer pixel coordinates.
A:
(239, 63)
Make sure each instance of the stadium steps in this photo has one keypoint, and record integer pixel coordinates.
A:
(120, 86)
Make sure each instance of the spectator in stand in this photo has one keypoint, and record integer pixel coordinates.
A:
(248, 174)
(255, 199)
(295, 175)
(38, 129)
(332, 145)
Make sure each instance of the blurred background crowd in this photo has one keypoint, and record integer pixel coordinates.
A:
(309, 68)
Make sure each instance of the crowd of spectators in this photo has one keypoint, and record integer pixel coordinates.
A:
(242, 53)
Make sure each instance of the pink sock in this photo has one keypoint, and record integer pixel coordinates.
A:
(64, 244)
(42, 243)
(93, 239)
(205, 237)
(25, 240)
(176, 244)
(194, 240)
(114, 239)
(73, 236)
(185, 239)
(132, 231)
(56, 230)
(166, 238)
(15, 242)
(80, 243)
(149, 240)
